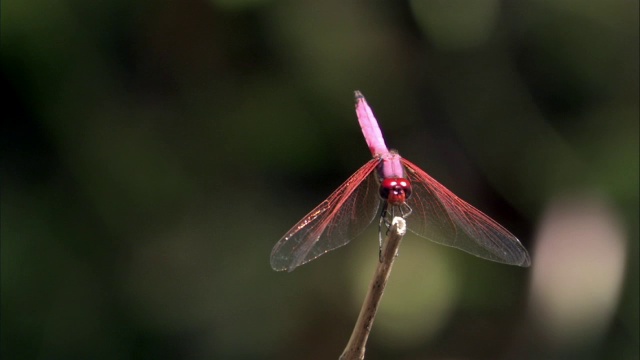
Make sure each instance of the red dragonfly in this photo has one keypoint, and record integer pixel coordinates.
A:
(399, 188)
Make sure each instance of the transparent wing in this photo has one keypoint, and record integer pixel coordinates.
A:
(333, 223)
(442, 217)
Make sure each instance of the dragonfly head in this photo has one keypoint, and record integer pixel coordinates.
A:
(395, 190)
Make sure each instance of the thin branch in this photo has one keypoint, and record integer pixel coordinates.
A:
(356, 346)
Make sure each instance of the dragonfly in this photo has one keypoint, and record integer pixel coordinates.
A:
(389, 185)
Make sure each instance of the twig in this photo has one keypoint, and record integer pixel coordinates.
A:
(356, 346)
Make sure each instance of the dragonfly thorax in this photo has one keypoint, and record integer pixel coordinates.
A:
(395, 190)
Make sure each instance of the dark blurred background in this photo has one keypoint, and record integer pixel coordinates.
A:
(155, 151)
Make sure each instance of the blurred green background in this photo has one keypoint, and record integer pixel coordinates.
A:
(155, 151)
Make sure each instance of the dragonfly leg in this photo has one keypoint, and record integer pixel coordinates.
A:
(408, 209)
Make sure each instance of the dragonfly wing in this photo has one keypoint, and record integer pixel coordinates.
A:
(333, 223)
(442, 217)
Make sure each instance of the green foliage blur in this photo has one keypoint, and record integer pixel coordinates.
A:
(154, 152)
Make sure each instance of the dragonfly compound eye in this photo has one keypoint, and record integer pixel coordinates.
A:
(395, 190)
